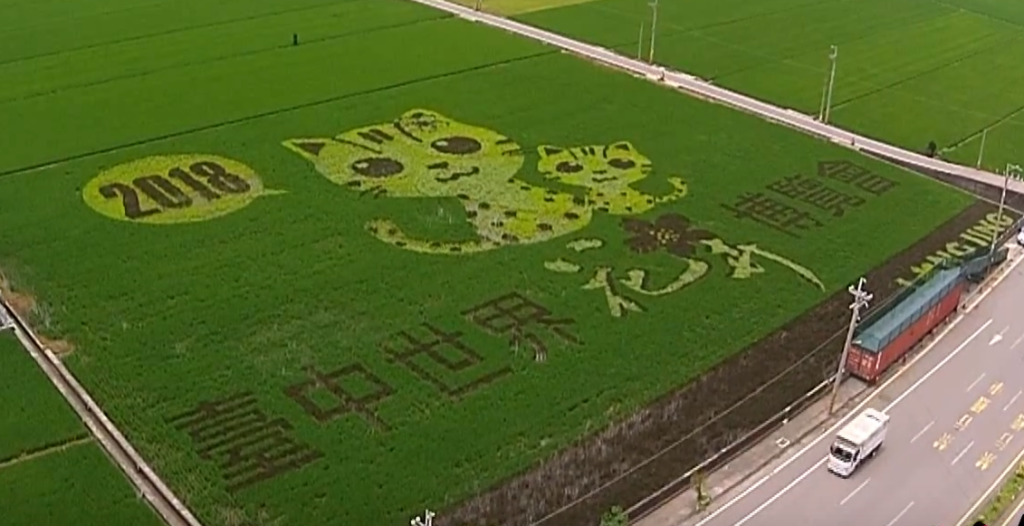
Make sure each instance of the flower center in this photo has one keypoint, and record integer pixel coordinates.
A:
(666, 236)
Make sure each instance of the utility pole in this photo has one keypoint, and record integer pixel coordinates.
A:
(654, 29)
(640, 43)
(478, 4)
(981, 151)
(826, 107)
(860, 301)
(1010, 169)
(418, 521)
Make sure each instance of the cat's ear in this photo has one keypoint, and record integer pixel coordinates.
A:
(419, 114)
(308, 148)
(546, 150)
(622, 146)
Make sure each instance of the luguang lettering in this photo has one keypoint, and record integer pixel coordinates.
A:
(856, 176)
(246, 445)
(815, 193)
(978, 236)
(772, 213)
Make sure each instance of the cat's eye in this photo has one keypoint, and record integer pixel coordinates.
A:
(457, 145)
(568, 167)
(377, 167)
(621, 164)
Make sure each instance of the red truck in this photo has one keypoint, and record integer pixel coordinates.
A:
(888, 338)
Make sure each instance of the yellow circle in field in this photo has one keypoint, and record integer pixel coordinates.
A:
(171, 189)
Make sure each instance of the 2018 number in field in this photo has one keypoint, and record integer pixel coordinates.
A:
(205, 178)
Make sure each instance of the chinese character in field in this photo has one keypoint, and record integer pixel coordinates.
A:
(675, 235)
(522, 320)
(740, 258)
(247, 446)
(772, 213)
(441, 359)
(853, 175)
(816, 194)
(339, 384)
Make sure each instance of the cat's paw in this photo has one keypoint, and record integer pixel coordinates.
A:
(384, 229)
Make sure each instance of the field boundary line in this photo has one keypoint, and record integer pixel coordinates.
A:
(998, 41)
(158, 34)
(39, 453)
(211, 61)
(995, 124)
(269, 113)
(141, 475)
(704, 89)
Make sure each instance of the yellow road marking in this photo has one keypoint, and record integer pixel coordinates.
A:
(985, 461)
(980, 405)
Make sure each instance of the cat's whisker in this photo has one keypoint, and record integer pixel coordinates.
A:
(516, 151)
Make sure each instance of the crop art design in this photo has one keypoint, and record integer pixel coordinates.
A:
(424, 154)
(172, 189)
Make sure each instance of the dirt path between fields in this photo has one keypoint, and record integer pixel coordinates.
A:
(147, 483)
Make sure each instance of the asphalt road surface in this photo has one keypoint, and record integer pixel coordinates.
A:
(957, 423)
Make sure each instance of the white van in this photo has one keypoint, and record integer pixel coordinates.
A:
(859, 440)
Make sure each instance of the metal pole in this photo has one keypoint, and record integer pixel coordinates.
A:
(860, 300)
(833, 55)
(824, 96)
(654, 29)
(981, 152)
(478, 2)
(999, 214)
(640, 43)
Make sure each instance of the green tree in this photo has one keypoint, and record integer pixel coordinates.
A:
(615, 517)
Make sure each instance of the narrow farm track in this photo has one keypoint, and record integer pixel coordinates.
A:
(703, 89)
(46, 451)
(141, 475)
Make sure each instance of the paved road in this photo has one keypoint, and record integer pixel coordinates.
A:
(703, 89)
(957, 424)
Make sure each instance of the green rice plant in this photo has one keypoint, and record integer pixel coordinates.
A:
(35, 416)
(415, 280)
(74, 486)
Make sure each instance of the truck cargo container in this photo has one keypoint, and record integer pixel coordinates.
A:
(889, 338)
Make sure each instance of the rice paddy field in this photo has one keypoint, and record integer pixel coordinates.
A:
(908, 71)
(334, 262)
(51, 471)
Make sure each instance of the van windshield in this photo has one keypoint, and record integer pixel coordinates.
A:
(841, 453)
